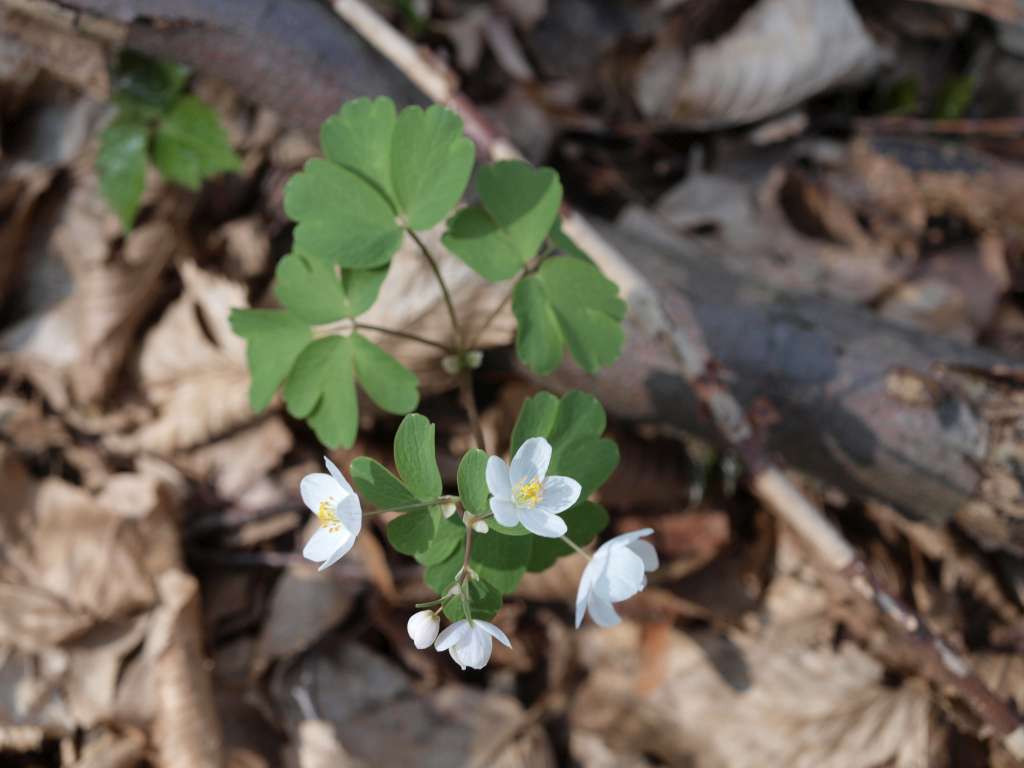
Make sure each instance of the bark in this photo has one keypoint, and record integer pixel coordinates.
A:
(877, 409)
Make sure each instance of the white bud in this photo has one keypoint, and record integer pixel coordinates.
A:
(480, 526)
(455, 590)
(474, 358)
(450, 364)
(447, 509)
(422, 628)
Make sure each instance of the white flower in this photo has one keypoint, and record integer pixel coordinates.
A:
(422, 628)
(469, 643)
(336, 505)
(522, 494)
(615, 573)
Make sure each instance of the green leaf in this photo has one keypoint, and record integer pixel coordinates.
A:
(485, 603)
(322, 389)
(190, 144)
(275, 340)
(447, 536)
(415, 458)
(569, 302)
(314, 290)
(501, 560)
(378, 486)
(590, 461)
(585, 521)
(411, 533)
(149, 83)
(310, 288)
(358, 138)
(472, 481)
(539, 340)
(340, 217)
(580, 414)
(519, 205)
(390, 385)
(439, 577)
(564, 243)
(431, 161)
(121, 164)
(536, 419)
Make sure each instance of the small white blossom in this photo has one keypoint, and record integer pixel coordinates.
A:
(337, 507)
(523, 494)
(616, 573)
(469, 642)
(447, 509)
(422, 628)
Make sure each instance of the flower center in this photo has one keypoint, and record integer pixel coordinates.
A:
(528, 494)
(328, 515)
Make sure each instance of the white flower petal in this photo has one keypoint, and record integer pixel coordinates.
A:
(627, 538)
(321, 545)
(542, 523)
(646, 552)
(622, 578)
(350, 513)
(475, 648)
(493, 631)
(451, 635)
(586, 585)
(531, 461)
(497, 479)
(454, 653)
(560, 493)
(338, 477)
(317, 488)
(422, 628)
(505, 512)
(601, 611)
(343, 549)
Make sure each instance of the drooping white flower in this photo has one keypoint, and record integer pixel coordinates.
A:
(469, 642)
(422, 628)
(523, 494)
(616, 573)
(337, 507)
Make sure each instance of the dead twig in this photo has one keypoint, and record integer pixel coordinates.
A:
(650, 313)
(987, 127)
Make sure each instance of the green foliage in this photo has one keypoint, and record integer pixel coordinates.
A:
(155, 120)
(275, 339)
(382, 171)
(121, 164)
(376, 484)
(412, 533)
(473, 483)
(415, 458)
(585, 521)
(321, 389)
(190, 145)
(518, 206)
(955, 98)
(568, 302)
(485, 602)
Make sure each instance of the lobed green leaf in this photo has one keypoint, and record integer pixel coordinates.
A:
(390, 385)
(377, 485)
(275, 339)
(412, 532)
(121, 164)
(190, 144)
(321, 389)
(415, 457)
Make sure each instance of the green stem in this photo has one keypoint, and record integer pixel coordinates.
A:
(576, 546)
(404, 335)
(444, 290)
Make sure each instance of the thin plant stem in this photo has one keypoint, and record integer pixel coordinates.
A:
(469, 403)
(444, 289)
(404, 335)
(574, 545)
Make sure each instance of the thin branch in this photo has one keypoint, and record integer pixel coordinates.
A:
(652, 317)
(404, 335)
(444, 289)
(469, 403)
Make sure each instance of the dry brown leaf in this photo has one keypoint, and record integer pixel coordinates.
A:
(448, 727)
(778, 54)
(193, 369)
(105, 749)
(304, 606)
(319, 747)
(779, 695)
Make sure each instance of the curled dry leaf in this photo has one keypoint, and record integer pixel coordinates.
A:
(778, 54)
(193, 369)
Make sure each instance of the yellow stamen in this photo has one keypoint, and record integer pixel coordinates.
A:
(528, 494)
(328, 516)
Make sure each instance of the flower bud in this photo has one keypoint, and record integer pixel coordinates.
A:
(451, 364)
(448, 509)
(480, 526)
(474, 358)
(422, 628)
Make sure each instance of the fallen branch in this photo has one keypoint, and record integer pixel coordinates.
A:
(697, 366)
